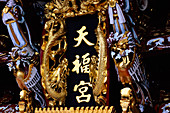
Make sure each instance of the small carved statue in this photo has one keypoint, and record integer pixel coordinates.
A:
(24, 56)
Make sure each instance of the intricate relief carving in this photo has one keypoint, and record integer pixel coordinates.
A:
(54, 80)
(54, 77)
(98, 67)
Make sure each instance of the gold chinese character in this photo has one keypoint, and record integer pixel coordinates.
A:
(82, 37)
(86, 61)
(83, 66)
(82, 90)
(77, 64)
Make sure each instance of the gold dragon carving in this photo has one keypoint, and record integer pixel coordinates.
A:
(54, 77)
(99, 77)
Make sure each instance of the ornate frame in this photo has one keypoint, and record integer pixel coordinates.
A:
(54, 78)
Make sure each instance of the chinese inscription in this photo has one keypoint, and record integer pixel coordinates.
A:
(82, 37)
(83, 66)
(83, 88)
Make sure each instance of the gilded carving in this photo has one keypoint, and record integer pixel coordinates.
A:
(55, 76)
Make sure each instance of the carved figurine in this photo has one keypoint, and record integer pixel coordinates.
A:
(24, 55)
(124, 44)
